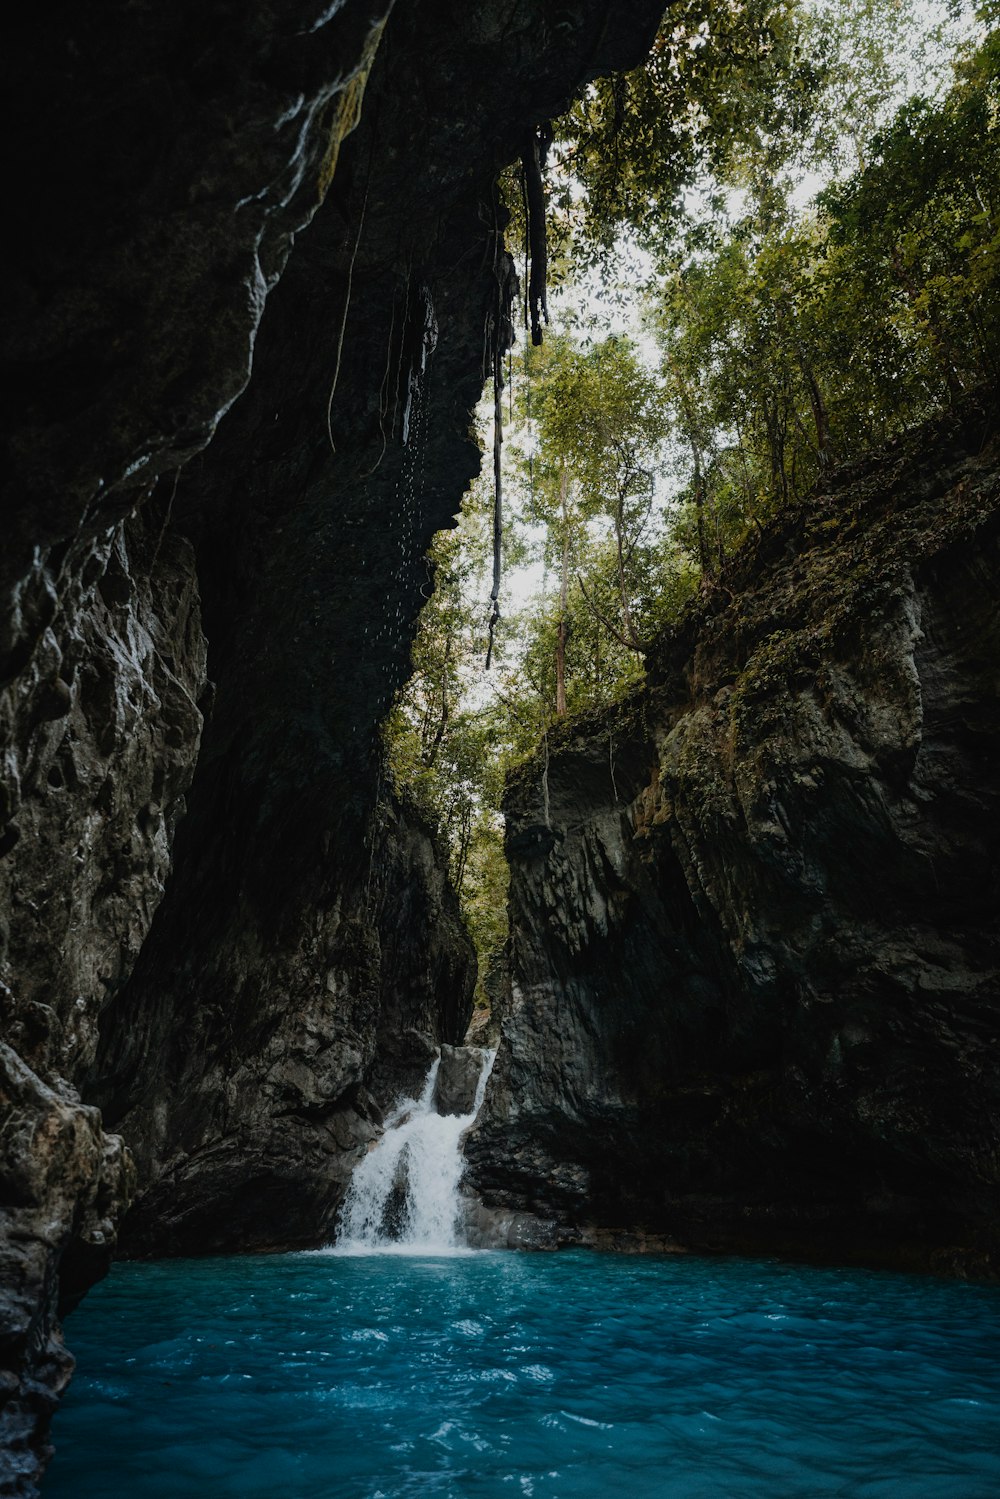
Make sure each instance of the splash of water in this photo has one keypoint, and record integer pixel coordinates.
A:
(404, 1194)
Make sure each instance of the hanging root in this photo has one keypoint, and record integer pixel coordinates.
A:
(501, 323)
(421, 337)
(343, 321)
(346, 118)
(497, 500)
(533, 160)
(383, 393)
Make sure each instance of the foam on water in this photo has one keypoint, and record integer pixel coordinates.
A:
(568, 1376)
(403, 1197)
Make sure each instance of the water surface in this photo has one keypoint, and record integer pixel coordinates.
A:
(567, 1376)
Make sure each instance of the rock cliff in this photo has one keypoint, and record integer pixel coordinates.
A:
(248, 315)
(755, 949)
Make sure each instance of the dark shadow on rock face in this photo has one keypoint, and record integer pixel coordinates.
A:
(215, 923)
(755, 973)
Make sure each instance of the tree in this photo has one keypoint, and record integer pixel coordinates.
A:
(790, 339)
(600, 422)
(802, 340)
(725, 94)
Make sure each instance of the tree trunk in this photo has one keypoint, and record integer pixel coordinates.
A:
(820, 416)
(563, 597)
(430, 752)
(704, 556)
(628, 629)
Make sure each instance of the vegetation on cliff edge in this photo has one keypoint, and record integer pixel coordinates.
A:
(818, 272)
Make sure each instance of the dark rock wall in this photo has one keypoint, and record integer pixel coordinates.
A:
(243, 1028)
(165, 158)
(163, 164)
(311, 514)
(100, 733)
(756, 941)
(253, 1102)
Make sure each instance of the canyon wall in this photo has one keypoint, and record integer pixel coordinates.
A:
(165, 164)
(755, 908)
(251, 309)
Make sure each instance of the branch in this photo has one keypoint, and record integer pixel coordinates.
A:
(613, 631)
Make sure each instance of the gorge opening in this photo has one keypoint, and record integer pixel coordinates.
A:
(671, 942)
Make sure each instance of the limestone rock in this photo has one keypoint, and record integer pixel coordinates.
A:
(95, 792)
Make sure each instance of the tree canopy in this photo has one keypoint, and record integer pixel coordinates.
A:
(820, 271)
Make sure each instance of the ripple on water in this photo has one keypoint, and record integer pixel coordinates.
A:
(559, 1377)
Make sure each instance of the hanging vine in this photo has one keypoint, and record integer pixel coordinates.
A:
(501, 338)
(533, 160)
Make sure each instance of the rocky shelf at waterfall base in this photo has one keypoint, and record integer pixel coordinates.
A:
(755, 951)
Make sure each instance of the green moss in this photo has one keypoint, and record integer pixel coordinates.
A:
(798, 599)
(691, 770)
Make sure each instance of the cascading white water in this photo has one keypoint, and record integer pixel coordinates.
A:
(404, 1194)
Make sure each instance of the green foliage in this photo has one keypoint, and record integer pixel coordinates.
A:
(725, 89)
(804, 341)
(599, 411)
(600, 425)
(789, 340)
(879, 52)
(742, 94)
(442, 751)
(918, 229)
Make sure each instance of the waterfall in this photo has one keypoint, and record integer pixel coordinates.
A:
(404, 1194)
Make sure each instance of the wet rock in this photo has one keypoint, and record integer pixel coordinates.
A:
(247, 1128)
(394, 1214)
(484, 1029)
(493, 1228)
(458, 1078)
(97, 788)
(64, 1186)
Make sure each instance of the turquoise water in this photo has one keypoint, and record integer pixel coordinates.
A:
(570, 1375)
